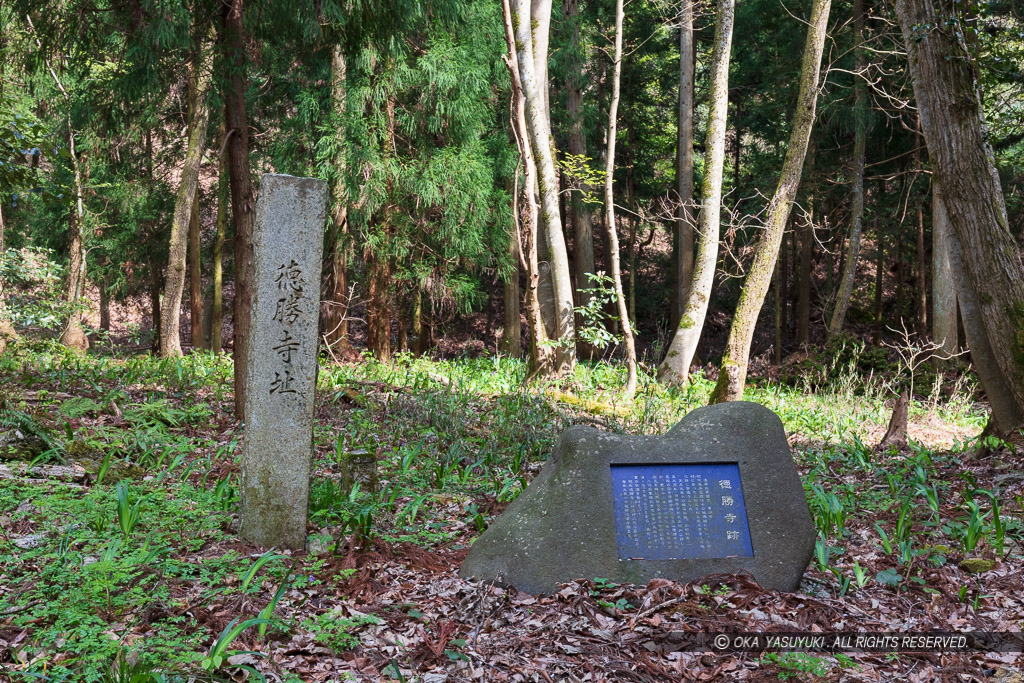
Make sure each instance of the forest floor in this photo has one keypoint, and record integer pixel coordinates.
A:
(119, 559)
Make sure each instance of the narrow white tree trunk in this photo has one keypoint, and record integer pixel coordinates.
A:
(683, 253)
(609, 207)
(530, 32)
(675, 368)
(526, 219)
(849, 276)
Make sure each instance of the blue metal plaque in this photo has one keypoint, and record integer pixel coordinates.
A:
(673, 512)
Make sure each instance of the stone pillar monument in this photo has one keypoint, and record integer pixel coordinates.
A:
(287, 240)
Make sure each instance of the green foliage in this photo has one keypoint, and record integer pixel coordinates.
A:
(221, 649)
(796, 664)
(23, 140)
(449, 453)
(31, 280)
(128, 514)
(594, 314)
(339, 633)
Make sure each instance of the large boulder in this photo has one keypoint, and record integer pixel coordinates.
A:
(633, 508)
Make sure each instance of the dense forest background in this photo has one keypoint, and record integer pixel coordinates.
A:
(405, 110)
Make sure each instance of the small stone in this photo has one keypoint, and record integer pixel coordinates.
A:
(319, 544)
(29, 542)
(976, 565)
(359, 467)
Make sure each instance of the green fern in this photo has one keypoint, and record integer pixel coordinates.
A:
(25, 423)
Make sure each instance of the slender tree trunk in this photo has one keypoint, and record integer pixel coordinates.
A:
(675, 368)
(900, 277)
(334, 312)
(242, 198)
(104, 305)
(631, 274)
(876, 338)
(174, 287)
(531, 43)
(920, 276)
(579, 217)
(511, 338)
(777, 286)
(783, 268)
(416, 322)
(217, 317)
(73, 335)
(732, 374)
(7, 333)
(527, 221)
(984, 358)
(805, 228)
(195, 275)
(378, 308)
(944, 305)
(155, 282)
(401, 321)
(609, 209)
(860, 112)
(682, 251)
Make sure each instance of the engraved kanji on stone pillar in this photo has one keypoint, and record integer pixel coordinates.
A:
(277, 451)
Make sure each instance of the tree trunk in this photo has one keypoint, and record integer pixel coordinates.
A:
(378, 308)
(805, 231)
(675, 368)
(73, 335)
(195, 276)
(900, 277)
(876, 338)
(777, 277)
(155, 281)
(783, 268)
(174, 286)
(944, 306)
(217, 316)
(526, 222)
(952, 120)
(7, 333)
(920, 276)
(242, 200)
(609, 208)
(579, 217)
(682, 251)
(511, 338)
(417, 320)
(104, 306)
(860, 112)
(984, 358)
(334, 311)
(531, 43)
(732, 374)
(401, 321)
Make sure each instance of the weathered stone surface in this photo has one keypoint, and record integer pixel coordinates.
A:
(562, 527)
(281, 374)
